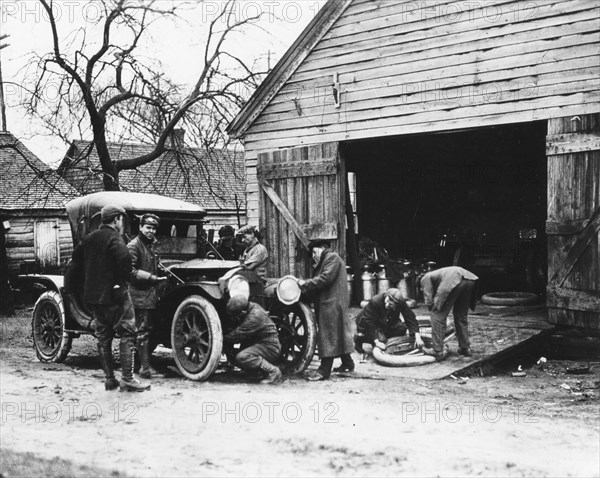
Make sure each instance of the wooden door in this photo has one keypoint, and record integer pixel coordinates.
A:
(47, 252)
(573, 224)
(302, 198)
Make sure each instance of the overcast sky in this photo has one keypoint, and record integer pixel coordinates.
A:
(173, 43)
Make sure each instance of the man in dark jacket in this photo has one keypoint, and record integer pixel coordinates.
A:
(334, 333)
(380, 320)
(144, 287)
(107, 270)
(446, 289)
(258, 337)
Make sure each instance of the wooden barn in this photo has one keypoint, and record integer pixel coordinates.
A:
(35, 235)
(215, 181)
(463, 132)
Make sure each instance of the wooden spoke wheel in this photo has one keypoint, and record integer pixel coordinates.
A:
(297, 333)
(196, 338)
(50, 340)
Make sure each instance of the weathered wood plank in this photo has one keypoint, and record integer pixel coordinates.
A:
(584, 300)
(285, 213)
(452, 43)
(298, 169)
(326, 230)
(570, 227)
(444, 97)
(572, 143)
(537, 108)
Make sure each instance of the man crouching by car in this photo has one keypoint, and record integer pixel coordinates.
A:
(107, 270)
(258, 336)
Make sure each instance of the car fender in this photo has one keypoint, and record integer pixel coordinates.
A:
(40, 283)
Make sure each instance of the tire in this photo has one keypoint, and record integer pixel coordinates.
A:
(509, 298)
(390, 360)
(297, 331)
(51, 342)
(196, 338)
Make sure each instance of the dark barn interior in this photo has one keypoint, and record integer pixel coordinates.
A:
(475, 198)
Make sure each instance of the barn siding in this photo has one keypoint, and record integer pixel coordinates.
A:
(448, 65)
(20, 241)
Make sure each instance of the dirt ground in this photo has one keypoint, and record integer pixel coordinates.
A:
(57, 420)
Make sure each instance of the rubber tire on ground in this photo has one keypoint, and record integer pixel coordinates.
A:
(285, 318)
(205, 327)
(390, 360)
(51, 342)
(509, 298)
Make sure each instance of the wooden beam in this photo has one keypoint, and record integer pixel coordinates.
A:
(564, 228)
(589, 233)
(572, 143)
(572, 299)
(298, 169)
(284, 211)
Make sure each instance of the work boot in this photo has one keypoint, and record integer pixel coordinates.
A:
(106, 360)
(146, 370)
(128, 382)
(439, 356)
(347, 364)
(465, 351)
(274, 375)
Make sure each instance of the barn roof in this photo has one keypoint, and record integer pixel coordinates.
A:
(214, 181)
(285, 67)
(26, 182)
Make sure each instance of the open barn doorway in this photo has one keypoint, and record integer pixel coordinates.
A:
(474, 198)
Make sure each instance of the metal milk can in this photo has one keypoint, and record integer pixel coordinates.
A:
(383, 283)
(350, 282)
(369, 284)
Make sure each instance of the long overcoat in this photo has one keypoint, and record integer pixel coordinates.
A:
(143, 290)
(335, 333)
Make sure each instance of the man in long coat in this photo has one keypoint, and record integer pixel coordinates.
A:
(334, 335)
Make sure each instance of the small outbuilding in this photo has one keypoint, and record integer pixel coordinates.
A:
(34, 235)
(463, 132)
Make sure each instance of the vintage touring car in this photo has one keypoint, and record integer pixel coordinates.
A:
(190, 317)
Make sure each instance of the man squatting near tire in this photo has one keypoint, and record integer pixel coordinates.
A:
(380, 320)
(107, 270)
(334, 333)
(144, 287)
(257, 334)
(445, 289)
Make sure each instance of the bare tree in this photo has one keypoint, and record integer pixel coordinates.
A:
(109, 88)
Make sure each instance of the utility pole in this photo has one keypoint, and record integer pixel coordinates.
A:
(2, 104)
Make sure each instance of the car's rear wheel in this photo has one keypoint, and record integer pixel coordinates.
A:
(196, 338)
(50, 340)
(297, 330)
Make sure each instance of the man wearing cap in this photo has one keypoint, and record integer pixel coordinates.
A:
(257, 334)
(144, 287)
(329, 287)
(107, 271)
(255, 256)
(449, 288)
(227, 247)
(380, 320)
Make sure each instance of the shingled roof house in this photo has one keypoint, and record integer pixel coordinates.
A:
(215, 182)
(35, 231)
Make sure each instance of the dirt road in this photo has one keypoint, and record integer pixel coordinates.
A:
(57, 419)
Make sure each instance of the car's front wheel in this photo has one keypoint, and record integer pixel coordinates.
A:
(50, 340)
(196, 338)
(297, 330)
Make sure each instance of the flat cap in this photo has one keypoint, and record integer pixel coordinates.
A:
(237, 304)
(150, 219)
(318, 243)
(110, 211)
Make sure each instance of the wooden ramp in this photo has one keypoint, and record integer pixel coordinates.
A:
(496, 332)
